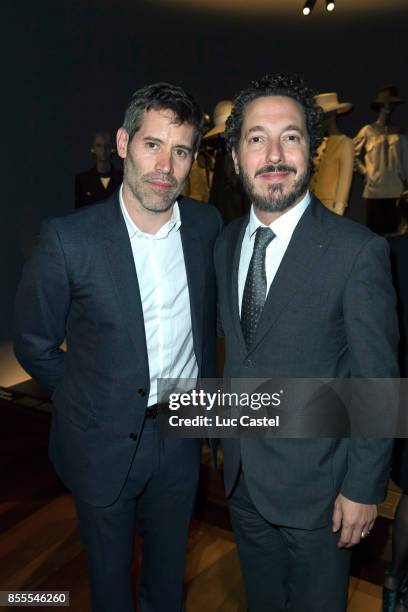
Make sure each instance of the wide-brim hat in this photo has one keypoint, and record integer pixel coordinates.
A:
(329, 103)
(222, 111)
(386, 95)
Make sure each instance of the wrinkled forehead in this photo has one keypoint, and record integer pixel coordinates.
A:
(153, 116)
(273, 111)
(164, 124)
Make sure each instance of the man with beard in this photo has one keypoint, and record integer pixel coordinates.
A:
(130, 284)
(303, 294)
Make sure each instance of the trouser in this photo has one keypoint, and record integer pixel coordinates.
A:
(159, 493)
(287, 569)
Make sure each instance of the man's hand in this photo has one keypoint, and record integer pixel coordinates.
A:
(353, 518)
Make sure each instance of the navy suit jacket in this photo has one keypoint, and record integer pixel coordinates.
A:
(330, 313)
(81, 285)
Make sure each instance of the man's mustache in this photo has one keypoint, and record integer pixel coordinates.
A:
(165, 178)
(275, 168)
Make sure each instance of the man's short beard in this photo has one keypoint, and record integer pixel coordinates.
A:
(154, 204)
(276, 200)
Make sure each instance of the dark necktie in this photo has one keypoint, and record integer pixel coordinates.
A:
(254, 295)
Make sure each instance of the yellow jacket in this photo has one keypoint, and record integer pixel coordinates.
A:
(333, 174)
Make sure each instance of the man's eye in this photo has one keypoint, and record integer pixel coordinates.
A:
(152, 145)
(181, 153)
(255, 140)
(293, 138)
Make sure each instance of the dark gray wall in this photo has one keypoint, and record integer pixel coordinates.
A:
(70, 65)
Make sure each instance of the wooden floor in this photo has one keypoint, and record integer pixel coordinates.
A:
(43, 552)
(40, 547)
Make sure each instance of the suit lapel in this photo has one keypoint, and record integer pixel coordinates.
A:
(122, 267)
(302, 255)
(196, 273)
(234, 255)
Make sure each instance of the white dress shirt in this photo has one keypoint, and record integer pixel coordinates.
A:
(283, 228)
(161, 273)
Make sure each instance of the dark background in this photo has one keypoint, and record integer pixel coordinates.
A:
(70, 66)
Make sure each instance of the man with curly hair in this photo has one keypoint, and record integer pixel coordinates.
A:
(303, 294)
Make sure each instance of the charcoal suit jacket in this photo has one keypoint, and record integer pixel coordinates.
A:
(81, 284)
(330, 313)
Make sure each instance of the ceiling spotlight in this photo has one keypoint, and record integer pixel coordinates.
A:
(330, 5)
(308, 7)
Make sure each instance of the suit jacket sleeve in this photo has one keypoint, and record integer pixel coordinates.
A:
(369, 308)
(41, 308)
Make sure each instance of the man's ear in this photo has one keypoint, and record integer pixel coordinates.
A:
(235, 160)
(122, 141)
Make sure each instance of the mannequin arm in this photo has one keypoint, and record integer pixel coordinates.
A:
(404, 159)
(346, 163)
(359, 142)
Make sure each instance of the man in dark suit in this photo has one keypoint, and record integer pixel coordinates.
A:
(303, 293)
(103, 179)
(130, 284)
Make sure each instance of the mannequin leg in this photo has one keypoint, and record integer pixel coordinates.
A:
(399, 565)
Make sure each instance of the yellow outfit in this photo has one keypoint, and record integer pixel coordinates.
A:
(198, 183)
(333, 174)
(385, 165)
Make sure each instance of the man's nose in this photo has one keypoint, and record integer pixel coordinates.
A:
(274, 151)
(164, 162)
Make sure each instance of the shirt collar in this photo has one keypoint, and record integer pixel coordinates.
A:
(284, 226)
(172, 225)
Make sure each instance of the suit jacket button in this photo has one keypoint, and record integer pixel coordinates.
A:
(247, 363)
(141, 392)
(133, 436)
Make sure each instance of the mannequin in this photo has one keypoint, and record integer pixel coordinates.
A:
(334, 160)
(226, 192)
(385, 163)
(100, 181)
(198, 182)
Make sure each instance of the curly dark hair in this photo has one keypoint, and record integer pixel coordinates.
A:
(163, 96)
(290, 85)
